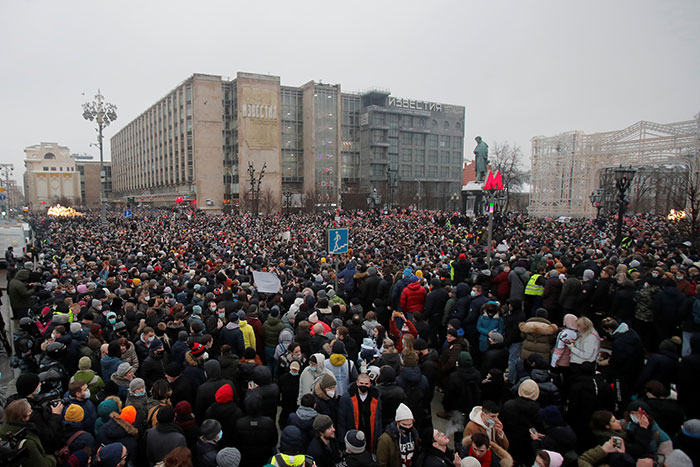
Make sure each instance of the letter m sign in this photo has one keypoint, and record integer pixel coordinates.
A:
(494, 182)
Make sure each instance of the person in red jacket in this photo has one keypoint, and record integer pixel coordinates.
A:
(502, 285)
(413, 297)
(399, 326)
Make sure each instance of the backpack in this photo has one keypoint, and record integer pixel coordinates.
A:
(63, 454)
(695, 313)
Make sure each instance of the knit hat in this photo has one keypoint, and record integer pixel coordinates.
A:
(529, 390)
(678, 458)
(173, 370)
(95, 303)
(197, 310)
(128, 414)
(470, 462)
(452, 332)
(74, 413)
(228, 457)
(465, 360)
(136, 384)
(197, 349)
(496, 337)
(338, 347)
(408, 272)
(551, 416)
(328, 381)
(462, 256)
(84, 363)
(313, 318)
(224, 394)
(182, 336)
(410, 360)
(291, 440)
(26, 384)
(588, 275)
(420, 344)
(403, 413)
(111, 454)
(555, 459)
(166, 414)
(355, 442)
(75, 327)
(367, 344)
(123, 369)
(322, 423)
(691, 428)
(210, 429)
(183, 409)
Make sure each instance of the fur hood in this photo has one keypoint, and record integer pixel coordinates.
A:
(128, 427)
(538, 327)
(320, 393)
(190, 360)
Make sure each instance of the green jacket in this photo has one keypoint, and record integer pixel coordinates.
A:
(272, 327)
(20, 293)
(36, 457)
(90, 378)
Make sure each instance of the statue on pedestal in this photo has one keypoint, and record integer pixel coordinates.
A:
(481, 151)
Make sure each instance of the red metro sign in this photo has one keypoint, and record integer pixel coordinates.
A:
(494, 182)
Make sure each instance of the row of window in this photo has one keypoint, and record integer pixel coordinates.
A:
(60, 169)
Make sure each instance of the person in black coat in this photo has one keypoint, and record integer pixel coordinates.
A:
(662, 366)
(689, 380)
(370, 286)
(667, 413)
(623, 302)
(207, 449)
(391, 394)
(207, 391)
(512, 338)
(182, 387)
(326, 398)
(266, 390)
(232, 335)
(558, 435)
(518, 416)
(226, 412)
(461, 268)
(256, 435)
(153, 367)
(496, 356)
(288, 384)
(179, 349)
(417, 390)
(119, 430)
(429, 364)
(436, 452)
(626, 360)
(434, 307)
(462, 387)
(303, 418)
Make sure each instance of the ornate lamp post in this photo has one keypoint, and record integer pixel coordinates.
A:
(623, 180)
(596, 198)
(454, 199)
(103, 113)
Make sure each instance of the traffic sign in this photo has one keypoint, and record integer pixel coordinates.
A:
(494, 182)
(3, 197)
(127, 213)
(337, 241)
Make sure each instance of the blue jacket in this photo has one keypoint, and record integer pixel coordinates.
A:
(89, 413)
(485, 325)
(109, 365)
(348, 275)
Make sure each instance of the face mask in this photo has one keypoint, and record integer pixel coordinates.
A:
(491, 422)
(147, 298)
(680, 278)
(53, 336)
(296, 357)
(654, 275)
(331, 394)
(151, 339)
(219, 436)
(221, 315)
(112, 321)
(634, 419)
(294, 373)
(212, 308)
(404, 430)
(362, 389)
(140, 393)
(99, 308)
(87, 394)
(37, 390)
(205, 356)
(473, 294)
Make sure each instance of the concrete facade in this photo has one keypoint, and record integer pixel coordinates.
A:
(50, 176)
(89, 171)
(318, 143)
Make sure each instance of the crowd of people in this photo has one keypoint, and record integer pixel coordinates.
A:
(146, 341)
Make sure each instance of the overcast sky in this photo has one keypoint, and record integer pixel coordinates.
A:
(521, 68)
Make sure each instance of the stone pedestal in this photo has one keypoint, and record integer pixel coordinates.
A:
(473, 194)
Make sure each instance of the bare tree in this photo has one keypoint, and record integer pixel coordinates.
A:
(509, 160)
(310, 201)
(268, 204)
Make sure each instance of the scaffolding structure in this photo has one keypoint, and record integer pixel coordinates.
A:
(566, 168)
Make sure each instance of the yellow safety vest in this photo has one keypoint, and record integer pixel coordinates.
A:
(532, 288)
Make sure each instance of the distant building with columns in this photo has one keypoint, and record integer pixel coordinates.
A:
(50, 175)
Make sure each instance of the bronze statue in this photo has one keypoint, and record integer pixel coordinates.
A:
(481, 151)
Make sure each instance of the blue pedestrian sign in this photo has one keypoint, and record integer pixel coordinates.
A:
(337, 241)
(3, 197)
(127, 213)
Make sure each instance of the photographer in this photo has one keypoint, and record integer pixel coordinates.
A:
(18, 417)
(45, 416)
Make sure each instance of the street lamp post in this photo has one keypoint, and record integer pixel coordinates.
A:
(623, 180)
(103, 113)
(288, 197)
(596, 198)
(454, 198)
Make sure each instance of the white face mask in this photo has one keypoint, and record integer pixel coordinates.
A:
(205, 356)
(634, 419)
(331, 393)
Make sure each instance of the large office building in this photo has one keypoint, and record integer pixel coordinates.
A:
(209, 140)
(50, 176)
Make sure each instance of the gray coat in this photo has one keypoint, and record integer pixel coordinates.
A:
(161, 440)
(518, 278)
